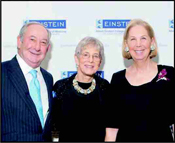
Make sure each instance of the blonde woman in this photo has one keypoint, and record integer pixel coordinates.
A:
(141, 99)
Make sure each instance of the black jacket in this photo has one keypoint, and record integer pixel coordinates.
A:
(59, 118)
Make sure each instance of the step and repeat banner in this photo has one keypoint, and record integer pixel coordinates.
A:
(69, 22)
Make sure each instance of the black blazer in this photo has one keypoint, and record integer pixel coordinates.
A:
(19, 118)
(63, 89)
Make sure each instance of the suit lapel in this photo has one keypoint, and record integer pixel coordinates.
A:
(20, 84)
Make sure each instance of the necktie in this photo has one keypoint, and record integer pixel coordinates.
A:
(34, 90)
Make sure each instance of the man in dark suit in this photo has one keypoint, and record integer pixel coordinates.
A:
(20, 120)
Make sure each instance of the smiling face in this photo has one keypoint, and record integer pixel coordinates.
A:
(88, 61)
(139, 43)
(34, 46)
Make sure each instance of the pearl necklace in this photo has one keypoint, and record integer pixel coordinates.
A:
(84, 91)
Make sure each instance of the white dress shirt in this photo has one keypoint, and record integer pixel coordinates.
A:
(44, 93)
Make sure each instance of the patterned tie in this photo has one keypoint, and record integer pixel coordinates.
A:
(35, 94)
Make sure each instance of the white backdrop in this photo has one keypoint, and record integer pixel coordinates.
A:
(84, 19)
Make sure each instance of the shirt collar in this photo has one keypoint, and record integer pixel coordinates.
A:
(24, 66)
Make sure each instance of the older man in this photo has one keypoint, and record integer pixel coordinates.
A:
(26, 87)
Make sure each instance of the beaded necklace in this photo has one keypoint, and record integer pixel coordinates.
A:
(84, 91)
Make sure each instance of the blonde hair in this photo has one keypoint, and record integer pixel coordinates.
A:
(151, 34)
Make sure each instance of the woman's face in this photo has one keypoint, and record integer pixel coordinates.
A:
(139, 43)
(88, 61)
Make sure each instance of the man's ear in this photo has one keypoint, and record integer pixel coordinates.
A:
(19, 42)
(48, 47)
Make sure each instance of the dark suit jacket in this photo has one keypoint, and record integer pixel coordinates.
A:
(59, 115)
(19, 118)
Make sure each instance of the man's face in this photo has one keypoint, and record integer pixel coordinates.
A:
(34, 46)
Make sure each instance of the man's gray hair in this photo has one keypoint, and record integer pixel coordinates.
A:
(25, 26)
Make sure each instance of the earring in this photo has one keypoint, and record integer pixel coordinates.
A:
(126, 49)
(152, 48)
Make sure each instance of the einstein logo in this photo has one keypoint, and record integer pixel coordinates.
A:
(171, 25)
(99, 24)
(56, 27)
(51, 24)
(115, 23)
(63, 74)
(112, 23)
(100, 73)
(111, 26)
(66, 74)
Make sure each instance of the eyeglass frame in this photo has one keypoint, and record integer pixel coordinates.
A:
(95, 57)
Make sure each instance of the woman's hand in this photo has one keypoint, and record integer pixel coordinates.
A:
(111, 134)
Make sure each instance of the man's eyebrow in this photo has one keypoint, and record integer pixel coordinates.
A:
(36, 38)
